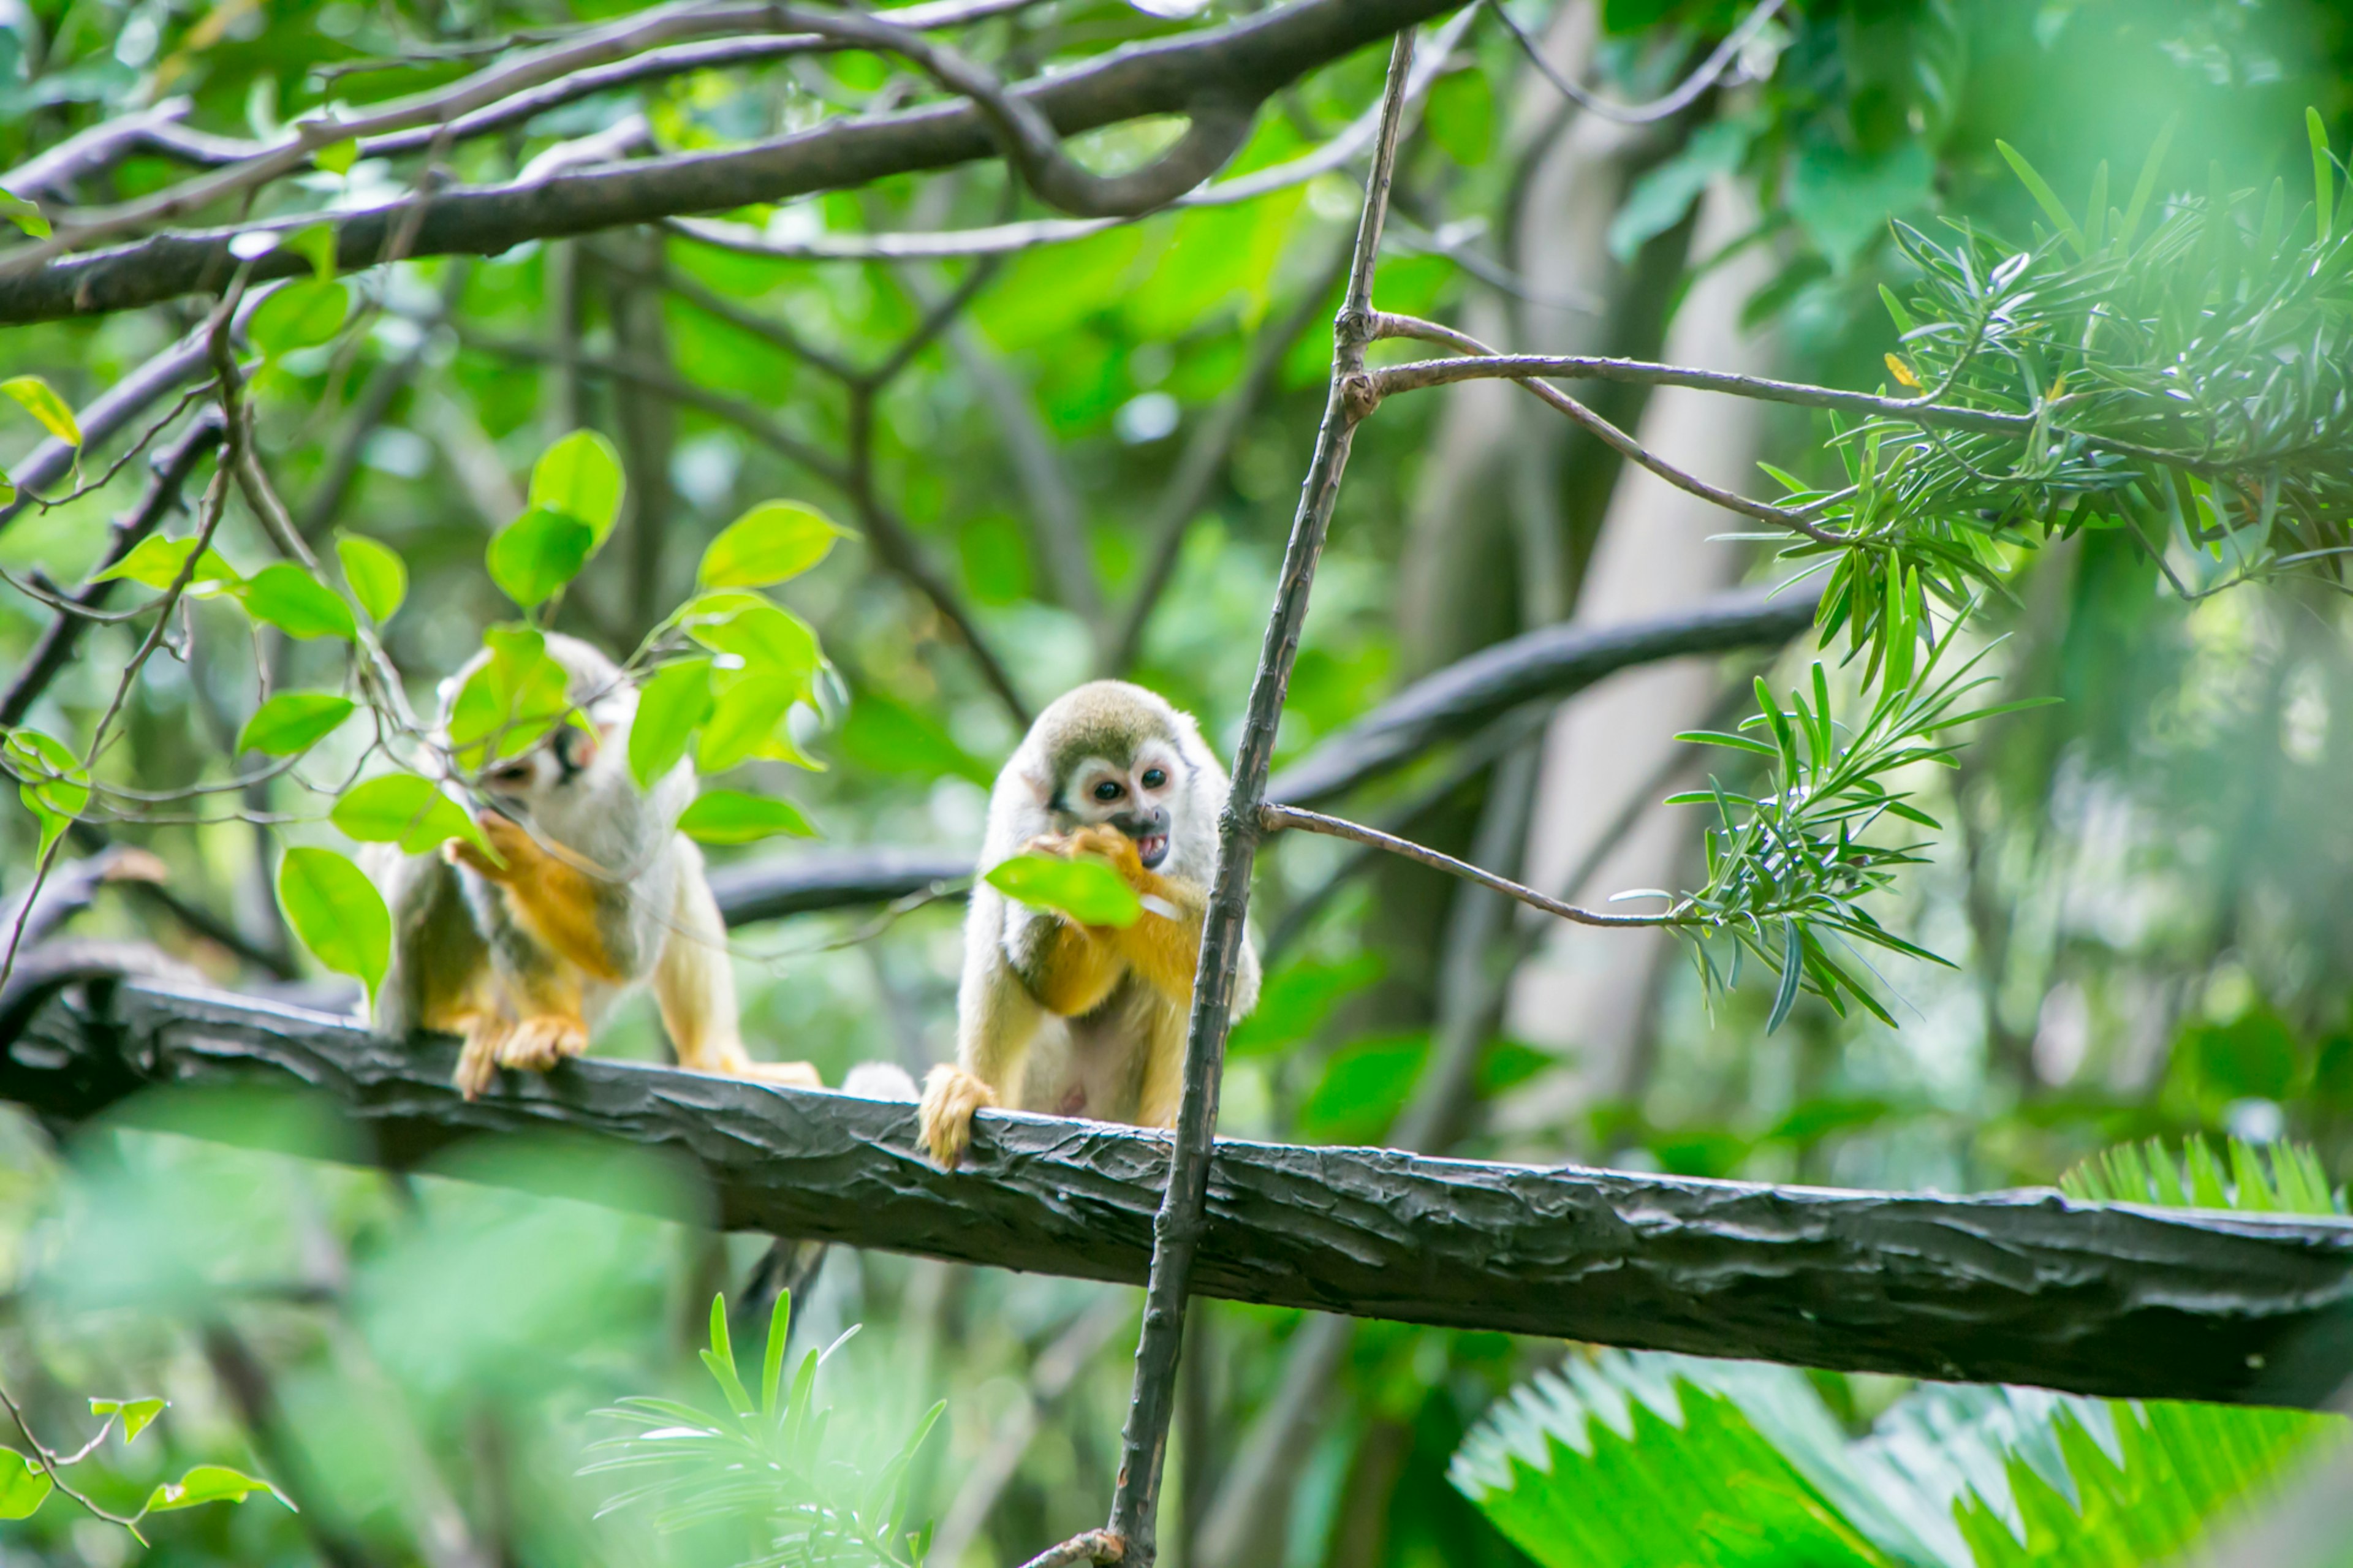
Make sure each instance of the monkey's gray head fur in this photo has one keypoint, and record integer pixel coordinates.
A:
(1115, 753)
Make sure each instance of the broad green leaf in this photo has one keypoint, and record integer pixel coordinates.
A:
(157, 563)
(378, 577)
(136, 1413)
(515, 697)
(537, 553)
(318, 243)
(337, 157)
(25, 215)
(337, 912)
(291, 599)
(732, 816)
(209, 1483)
(406, 810)
(41, 401)
(298, 316)
(1087, 890)
(54, 785)
(293, 721)
(670, 705)
(745, 714)
(770, 641)
(774, 543)
(23, 1485)
(580, 476)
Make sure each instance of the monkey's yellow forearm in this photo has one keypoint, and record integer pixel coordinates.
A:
(555, 901)
(1076, 969)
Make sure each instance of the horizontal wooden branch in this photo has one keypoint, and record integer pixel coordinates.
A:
(1549, 665)
(771, 888)
(1241, 62)
(2017, 1288)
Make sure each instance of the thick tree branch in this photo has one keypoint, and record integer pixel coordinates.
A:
(2014, 1287)
(1549, 664)
(1243, 61)
(772, 888)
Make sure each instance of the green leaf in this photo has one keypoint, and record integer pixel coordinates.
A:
(2045, 196)
(773, 542)
(771, 1364)
(378, 577)
(769, 641)
(513, 698)
(1661, 197)
(157, 563)
(337, 157)
(537, 553)
(721, 1359)
(747, 713)
(1793, 970)
(136, 1413)
(24, 215)
(208, 1483)
(337, 912)
(293, 721)
(2324, 178)
(55, 786)
(290, 598)
(23, 1485)
(2146, 187)
(406, 810)
(41, 401)
(317, 242)
(672, 703)
(732, 816)
(298, 316)
(1087, 890)
(580, 476)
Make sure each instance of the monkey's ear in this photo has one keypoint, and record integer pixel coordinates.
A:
(578, 746)
(1042, 788)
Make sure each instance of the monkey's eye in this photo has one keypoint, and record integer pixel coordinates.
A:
(1155, 777)
(512, 774)
(1107, 790)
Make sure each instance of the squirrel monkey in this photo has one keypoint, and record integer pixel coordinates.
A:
(1083, 1020)
(598, 892)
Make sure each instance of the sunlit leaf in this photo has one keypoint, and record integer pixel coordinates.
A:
(770, 641)
(297, 602)
(317, 242)
(157, 562)
(774, 543)
(406, 810)
(1087, 890)
(378, 577)
(741, 720)
(293, 721)
(209, 1483)
(23, 1485)
(732, 816)
(538, 553)
(337, 912)
(135, 1413)
(41, 401)
(673, 701)
(512, 699)
(580, 476)
(25, 215)
(53, 785)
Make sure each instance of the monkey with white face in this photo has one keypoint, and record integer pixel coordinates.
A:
(1060, 1016)
(593, 891)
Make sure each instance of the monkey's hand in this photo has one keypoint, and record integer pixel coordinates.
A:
(539, 1043)
(950, 1095)
(507, 837)
(1099, 842)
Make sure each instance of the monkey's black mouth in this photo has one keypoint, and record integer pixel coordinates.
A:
(1152, 850)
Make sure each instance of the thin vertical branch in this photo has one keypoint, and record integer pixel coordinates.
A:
(1176, 1229)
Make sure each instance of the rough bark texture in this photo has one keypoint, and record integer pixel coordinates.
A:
(2019, 1287)
(1242, 62)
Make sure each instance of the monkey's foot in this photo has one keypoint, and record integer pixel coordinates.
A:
(788, 1075)
(538, 1044)
(950, 1097)
(477, 1062)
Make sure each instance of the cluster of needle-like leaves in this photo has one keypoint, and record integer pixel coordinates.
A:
(1787, 864)
(2181, 369)
(768, 1461)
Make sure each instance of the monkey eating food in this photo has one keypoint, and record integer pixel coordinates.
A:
(1079, 1020)
(592, 891)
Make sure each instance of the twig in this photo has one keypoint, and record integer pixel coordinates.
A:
(1275, 818)
(50, 1462)
(1177, 1227)
(1709, 72)
(1093, 1546)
